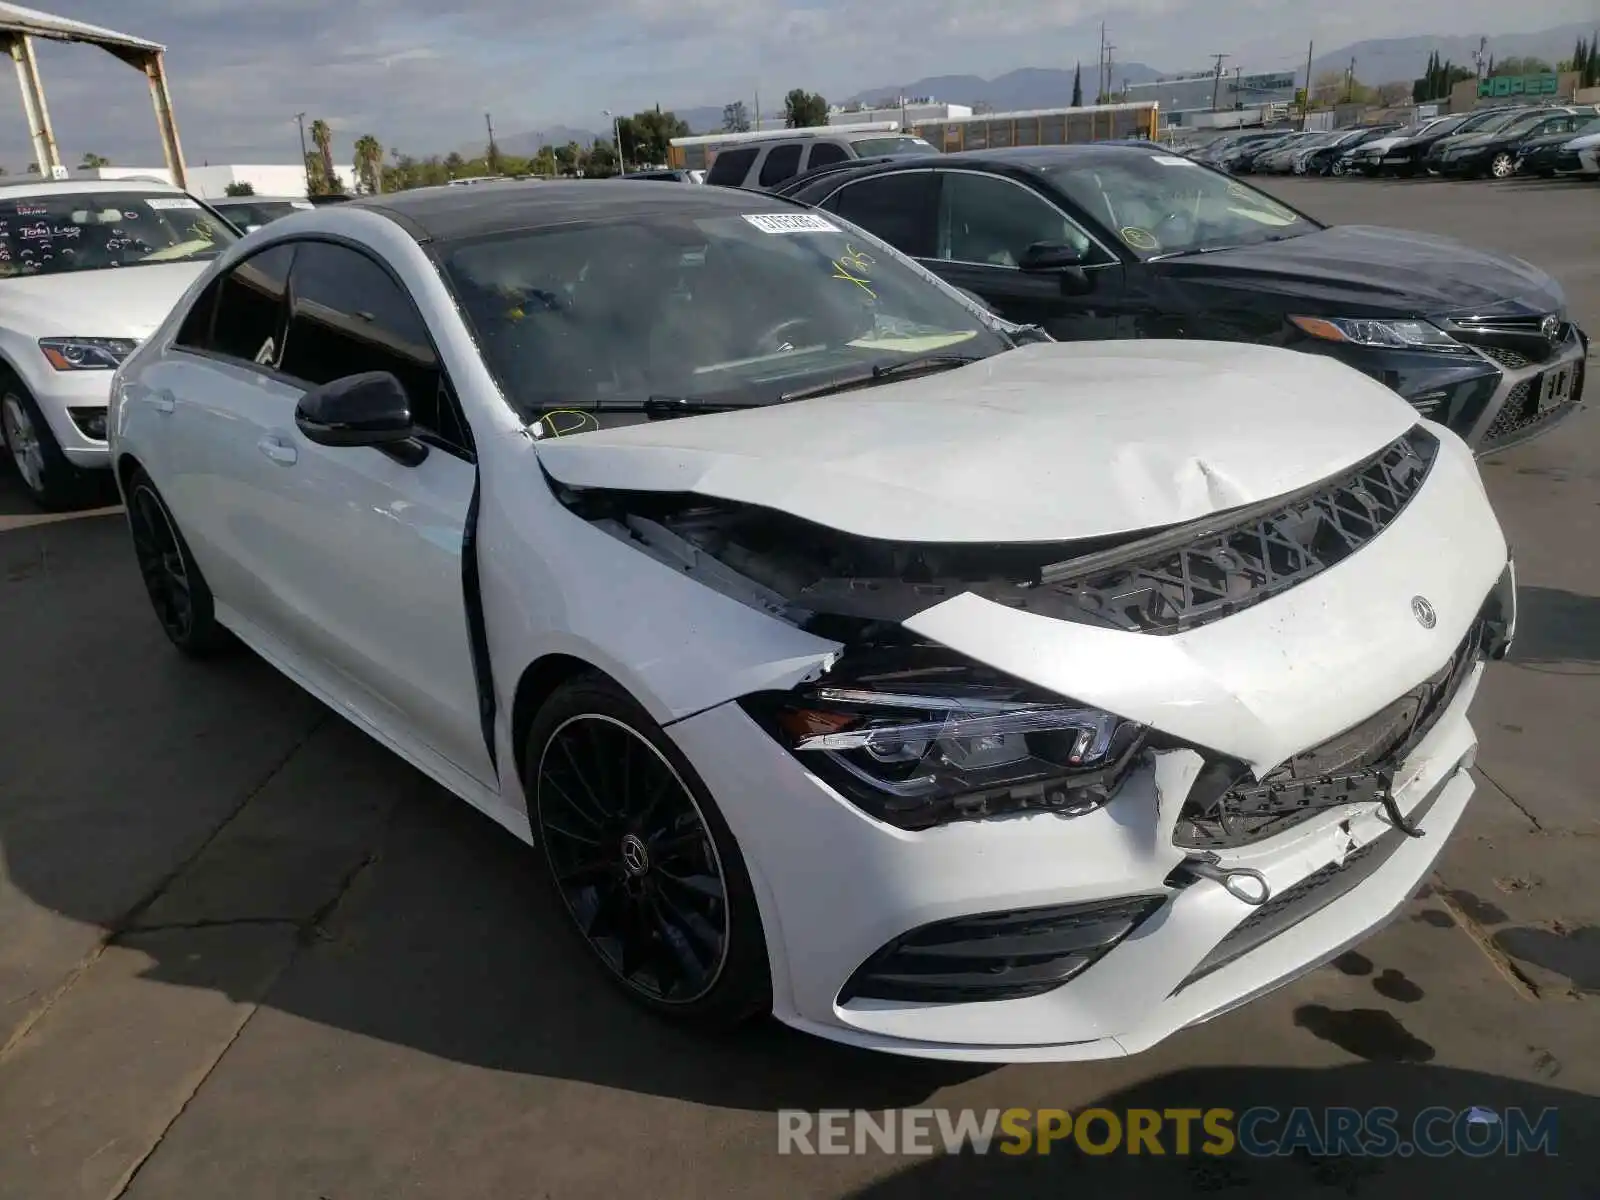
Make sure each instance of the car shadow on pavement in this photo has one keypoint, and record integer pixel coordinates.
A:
(1303, 1166)
(154, 797)
(1556, 626)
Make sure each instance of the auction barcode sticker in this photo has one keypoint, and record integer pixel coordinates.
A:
(1172, 160)
(791, 223)
(164, 202)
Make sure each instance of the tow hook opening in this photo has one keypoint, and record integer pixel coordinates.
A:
(1242, 883)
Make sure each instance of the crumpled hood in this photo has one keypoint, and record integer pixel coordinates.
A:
(1364, 270)
(1044, 443)
(125, 302)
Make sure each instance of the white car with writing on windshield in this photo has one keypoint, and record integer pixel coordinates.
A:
(88, 269)
(845, 653)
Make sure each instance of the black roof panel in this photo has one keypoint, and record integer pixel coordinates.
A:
(446, 213)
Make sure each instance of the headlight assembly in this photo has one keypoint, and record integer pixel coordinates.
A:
(86, 353)
(1366, 331)
(918, 745)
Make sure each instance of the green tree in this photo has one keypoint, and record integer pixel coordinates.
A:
(322, 138)
(568, 158)
(240, 187)
(804, 110)
(455, 164)
(601, 159)
(1077, 86)
(735, 118)
(93, 162)
(647, 136)
(544, 162)
(1516, 65)
(369, 163)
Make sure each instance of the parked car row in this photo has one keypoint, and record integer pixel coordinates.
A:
(1496, 143)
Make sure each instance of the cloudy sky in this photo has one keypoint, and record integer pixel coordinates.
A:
(241, 69)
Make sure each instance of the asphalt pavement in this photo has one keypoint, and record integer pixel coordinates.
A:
(245, 952)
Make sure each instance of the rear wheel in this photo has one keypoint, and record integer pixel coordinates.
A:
(178, 592)
(51, 480)
(641, 860)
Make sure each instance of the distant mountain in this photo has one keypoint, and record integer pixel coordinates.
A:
(1030, 87)
(1387, 60)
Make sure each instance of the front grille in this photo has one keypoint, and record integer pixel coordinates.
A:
(1509, 359)
(1310, 895)
(1520, 417)
(1355, 766)
(1163, 589)
(997, 956)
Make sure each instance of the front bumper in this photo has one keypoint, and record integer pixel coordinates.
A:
(66, 398)
(835, 887)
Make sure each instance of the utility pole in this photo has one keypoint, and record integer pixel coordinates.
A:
(1350, 82)
(756, 128)
(1100, 66)
(493, 155)
(1109, 51)
(1305, 104)
(1216, 79)
(1477, 55)
(305, 156)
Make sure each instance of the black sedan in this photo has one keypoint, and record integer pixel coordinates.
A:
(1093, 242)
(1327, 158)
(1495, 151)
(1410, 156)
(1542, 155)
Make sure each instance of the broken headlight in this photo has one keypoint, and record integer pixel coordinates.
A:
(924, 746)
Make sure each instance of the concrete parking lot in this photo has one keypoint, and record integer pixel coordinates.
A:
(245, 952)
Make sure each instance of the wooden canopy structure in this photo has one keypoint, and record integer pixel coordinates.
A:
(19, 26)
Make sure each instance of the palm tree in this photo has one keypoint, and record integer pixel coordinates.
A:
(369, 163)
(322, 136)
(92, 161)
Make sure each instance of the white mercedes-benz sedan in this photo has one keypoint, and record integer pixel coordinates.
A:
(846, 654)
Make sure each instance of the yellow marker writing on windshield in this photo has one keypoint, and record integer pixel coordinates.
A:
(851, 266)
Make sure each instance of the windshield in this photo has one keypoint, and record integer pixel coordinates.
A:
(255, 213)
(877, 147)
(90, 231)
(735, 309)
(1161, 205)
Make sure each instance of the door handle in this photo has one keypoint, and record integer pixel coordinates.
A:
(278, 450)
(163, 402)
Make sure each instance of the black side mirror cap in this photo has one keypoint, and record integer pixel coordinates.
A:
(1050, 256)
(369, 409)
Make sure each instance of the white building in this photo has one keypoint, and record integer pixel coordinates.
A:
(914, 110)
(211, 182)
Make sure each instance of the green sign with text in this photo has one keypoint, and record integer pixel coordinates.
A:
(1519, 85)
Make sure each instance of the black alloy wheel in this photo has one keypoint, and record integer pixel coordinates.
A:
(634, 855)
(179, 595)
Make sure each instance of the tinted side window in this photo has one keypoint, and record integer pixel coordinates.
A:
(783, 162)
(348, 315)
(898, 208)
(988, 220)
(732, 166)
(825, 154)
(242, 314)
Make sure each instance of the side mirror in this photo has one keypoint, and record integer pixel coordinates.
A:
(1050, 256)
(370, 409)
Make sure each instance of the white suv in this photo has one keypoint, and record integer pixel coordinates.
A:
(88, 269)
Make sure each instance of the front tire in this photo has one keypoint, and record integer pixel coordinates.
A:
(1503, 166)
(640, 860)
(178, 592)
(52, 481)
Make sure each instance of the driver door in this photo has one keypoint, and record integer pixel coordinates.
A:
(984, 226)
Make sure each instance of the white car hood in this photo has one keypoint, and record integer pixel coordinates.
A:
(1587, 142)
(1043, 443)
(125, 302)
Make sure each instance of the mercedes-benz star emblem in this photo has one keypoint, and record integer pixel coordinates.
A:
(1423, 612)
(634, 855)
(1551, 328)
